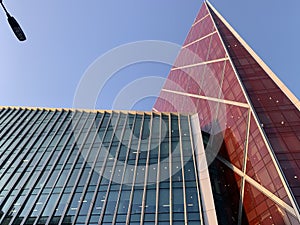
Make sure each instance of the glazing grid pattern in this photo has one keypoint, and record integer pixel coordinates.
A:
(203, 81)
(81, 167)
(278, 115)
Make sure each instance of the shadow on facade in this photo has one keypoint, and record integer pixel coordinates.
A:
(225, 186)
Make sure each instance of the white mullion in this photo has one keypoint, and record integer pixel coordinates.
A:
(198, 21)
(200, 39)
(200, 63)
(229, 102)
(146, 171)
(242, 191)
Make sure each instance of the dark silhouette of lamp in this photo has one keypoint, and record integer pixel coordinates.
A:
(14, 25)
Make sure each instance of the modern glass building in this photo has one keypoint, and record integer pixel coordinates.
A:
(253, 121)
(222, 146)
(102, 167)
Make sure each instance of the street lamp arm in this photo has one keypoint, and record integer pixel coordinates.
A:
(5, 10)
(14, 24)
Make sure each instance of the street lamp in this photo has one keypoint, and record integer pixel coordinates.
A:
(14, 25)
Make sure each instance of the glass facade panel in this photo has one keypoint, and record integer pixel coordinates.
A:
(99, 167)
(235, 123)
(231, 89)
(195, 52)
(60, 166)
(216, 91)
(216, 50)
(260, 165)
(202, 12)
(200, 29)
(226, 190)
(260, 209)
(272, 105)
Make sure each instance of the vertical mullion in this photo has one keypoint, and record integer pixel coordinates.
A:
(74, 127)
(125, 167)
(104, 166)
(83, 164)
(182, 170)
(196, 174)
(92, 167)
(4, 125)
(21, 185)
(39, 161)
(158, 171)
(242, 191)
(11, 143)
(3, 111)
(15, 125)
(45, 164)
(135, 170)
(13, 160)
(146, 172)
(55, 164)
(10, 158)
(113, 167)
(101, 171)
(170, 172)
(73, 166)
(112, 175)
(27, 194)
(6, 117)
(10, 119)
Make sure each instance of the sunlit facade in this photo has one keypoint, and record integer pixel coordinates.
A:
(252, 118)
(222, 146)
(61, 166)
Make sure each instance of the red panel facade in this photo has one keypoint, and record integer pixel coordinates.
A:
(221, 88)
(279, 117)
(260, 166)
(261, 210)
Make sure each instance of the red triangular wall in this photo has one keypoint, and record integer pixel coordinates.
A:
(203, 81)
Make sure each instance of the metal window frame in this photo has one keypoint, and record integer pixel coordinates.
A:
(102, 168)
(208, 209)
(59, 125)
(135, 168)
(56, 162)
(24, 179)
(124, 170)
(11, 121)
(146, 171)
(14, 128)
(84, 192)
(10, 158)
(45, 125)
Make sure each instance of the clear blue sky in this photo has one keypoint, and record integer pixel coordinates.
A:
(65, 37)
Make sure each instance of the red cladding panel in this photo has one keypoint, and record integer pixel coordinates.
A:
(261, 210)
(278, 115)
(196, 79)
(206, 111)
(164, 103)
(200, 30)
(197, 51)
(202, 12)
(234, 119)
(231, 89)
(216, 49)
(213, 79)
(260, 165)
(185, 57)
